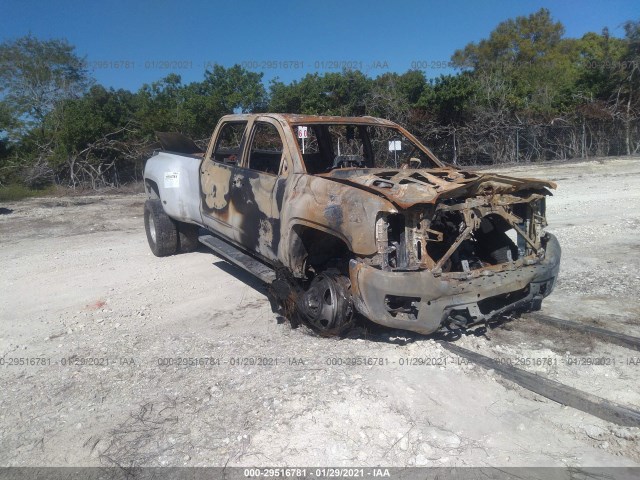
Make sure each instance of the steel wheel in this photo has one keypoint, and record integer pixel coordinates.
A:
(327, 305)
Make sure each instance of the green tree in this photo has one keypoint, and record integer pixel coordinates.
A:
(514, 41)
(450, 97)
(194, 109)
(628, 96)
(599, 56)
(235, 88)
(334, 93)
(223, 91)
(34, 76)
(525, 64)
(160, 106)
(94, 138)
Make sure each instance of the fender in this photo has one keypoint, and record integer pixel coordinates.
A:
(342, 211)
(177, 178)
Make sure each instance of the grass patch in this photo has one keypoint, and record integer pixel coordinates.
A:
(12, 193)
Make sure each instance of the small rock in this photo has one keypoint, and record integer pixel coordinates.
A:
(594, 432)
(404, 443)
(624, 433)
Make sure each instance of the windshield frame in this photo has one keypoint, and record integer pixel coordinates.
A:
(437, 163)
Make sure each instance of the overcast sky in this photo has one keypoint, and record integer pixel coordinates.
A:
(284, 39)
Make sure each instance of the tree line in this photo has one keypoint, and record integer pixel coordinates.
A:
(526, 93)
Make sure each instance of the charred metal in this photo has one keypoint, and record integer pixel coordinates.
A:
(363, 217)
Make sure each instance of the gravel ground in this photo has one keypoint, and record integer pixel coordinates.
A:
(96, 330)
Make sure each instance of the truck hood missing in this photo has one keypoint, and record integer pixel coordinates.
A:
(409, 187)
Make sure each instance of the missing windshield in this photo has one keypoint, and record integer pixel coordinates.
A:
(326, 147)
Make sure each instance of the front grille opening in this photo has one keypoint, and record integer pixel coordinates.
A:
(403, 306)
(490, 244)
(492, 304)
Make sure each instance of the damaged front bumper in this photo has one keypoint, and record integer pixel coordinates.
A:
(422, 301)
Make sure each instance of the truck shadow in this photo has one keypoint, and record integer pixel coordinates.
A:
(254, 283)
(241, 275)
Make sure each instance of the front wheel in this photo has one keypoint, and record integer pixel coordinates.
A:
(162, 233)
(327, 304)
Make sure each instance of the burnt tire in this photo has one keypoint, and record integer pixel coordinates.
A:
(162, 233)
(327, 306)
(188, 237)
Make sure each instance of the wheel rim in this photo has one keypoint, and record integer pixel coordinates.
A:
(327, 303)
(152, 229)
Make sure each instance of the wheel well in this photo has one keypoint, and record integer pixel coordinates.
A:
(152, 189)
(315, 249)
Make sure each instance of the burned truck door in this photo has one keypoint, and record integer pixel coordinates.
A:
(220, 176)
(265, 166)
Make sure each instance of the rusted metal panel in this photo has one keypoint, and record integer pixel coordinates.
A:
(406, 188)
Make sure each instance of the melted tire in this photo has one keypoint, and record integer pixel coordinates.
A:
(161, 230)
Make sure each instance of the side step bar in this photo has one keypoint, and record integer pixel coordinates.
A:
(238, 258)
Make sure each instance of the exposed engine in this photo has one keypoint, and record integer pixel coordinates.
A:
(463, 235)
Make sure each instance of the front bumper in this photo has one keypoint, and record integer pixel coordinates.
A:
(478, 295)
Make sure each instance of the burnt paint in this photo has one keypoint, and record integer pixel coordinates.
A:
(221, 213)
(279, 191)
(333, 214)
(252, 218)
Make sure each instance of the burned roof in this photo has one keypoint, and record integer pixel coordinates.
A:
(295, 119)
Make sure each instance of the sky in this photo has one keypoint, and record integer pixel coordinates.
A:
(131, 42)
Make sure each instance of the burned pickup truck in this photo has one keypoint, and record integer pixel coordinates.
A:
(341, 215)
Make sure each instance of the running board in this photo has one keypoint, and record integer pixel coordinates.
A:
(240, 259)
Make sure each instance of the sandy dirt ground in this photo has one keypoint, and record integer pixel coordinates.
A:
(111, 356)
